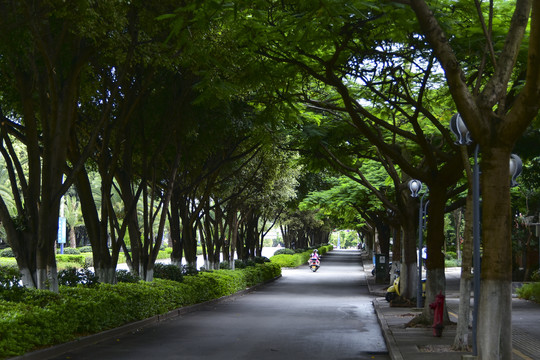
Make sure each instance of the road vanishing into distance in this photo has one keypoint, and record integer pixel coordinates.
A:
(302, 315)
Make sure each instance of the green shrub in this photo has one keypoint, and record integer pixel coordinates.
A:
(9, 277)
(450, 255)
(452, 263)
(8, 261)
(261, 259)
(73, 277)
(239, 264)
(40, 298)
(535, 275)
(297, 259)
(7, 252)
(41, 318)
(250, 262)
(225, 265)
(168, 271)
(10, 286)
(67, 265)
(24, 327)
(284, 251)
(291, 261)
(89, 261)
(189, 270)
(85, 249)
(126, 276)
(325, 248)
(70, 251)
(529, 291)
(79, 259)
(163, 255)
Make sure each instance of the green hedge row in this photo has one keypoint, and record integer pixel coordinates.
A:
(43, 318)
(530, 291)
(294, 260)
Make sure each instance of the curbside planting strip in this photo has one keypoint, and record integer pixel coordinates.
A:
(60, 349)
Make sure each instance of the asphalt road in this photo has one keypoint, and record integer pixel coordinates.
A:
(303, 315)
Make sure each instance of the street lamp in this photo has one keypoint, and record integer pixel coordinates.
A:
(516, 166)
(459, 128)
(416, 186)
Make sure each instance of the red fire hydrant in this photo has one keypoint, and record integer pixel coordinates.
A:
(438, 315)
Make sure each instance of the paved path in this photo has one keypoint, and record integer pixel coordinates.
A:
(412, 343)
(323, 315)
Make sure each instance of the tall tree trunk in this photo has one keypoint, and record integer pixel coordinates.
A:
(494, 323)
(435, 278)
(461, 340)
(457, 226)
(409, 273)
(175, 229)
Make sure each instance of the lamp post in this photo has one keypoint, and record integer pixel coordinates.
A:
(416, 186)
(459, 128)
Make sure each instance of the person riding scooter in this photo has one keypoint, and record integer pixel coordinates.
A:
(314, 259)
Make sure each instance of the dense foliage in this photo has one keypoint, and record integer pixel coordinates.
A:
(530, 291)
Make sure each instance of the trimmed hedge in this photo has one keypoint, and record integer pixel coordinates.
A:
(529, 291)
(297, 259)
(284, 251)
(78, 259)
(42, 318)
(7, 252)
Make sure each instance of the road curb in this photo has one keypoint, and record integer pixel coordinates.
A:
(58, 350)
(391, 344)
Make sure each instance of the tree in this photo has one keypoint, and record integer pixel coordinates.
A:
(496, 118)
(45, 51)
(124, 84)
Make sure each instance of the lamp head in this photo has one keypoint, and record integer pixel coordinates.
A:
(458, 127)
(415, 186)
(516, 166)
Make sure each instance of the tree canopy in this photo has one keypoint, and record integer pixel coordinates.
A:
(212, 120)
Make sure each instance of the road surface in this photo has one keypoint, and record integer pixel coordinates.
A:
(303, 315)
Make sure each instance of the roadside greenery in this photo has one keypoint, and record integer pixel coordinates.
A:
(288, 260)
(36, 318)
(530, 291)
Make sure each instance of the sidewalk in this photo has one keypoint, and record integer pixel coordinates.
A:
(420, 344)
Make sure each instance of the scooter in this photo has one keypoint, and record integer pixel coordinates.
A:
(393, 291)
(314, 264)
